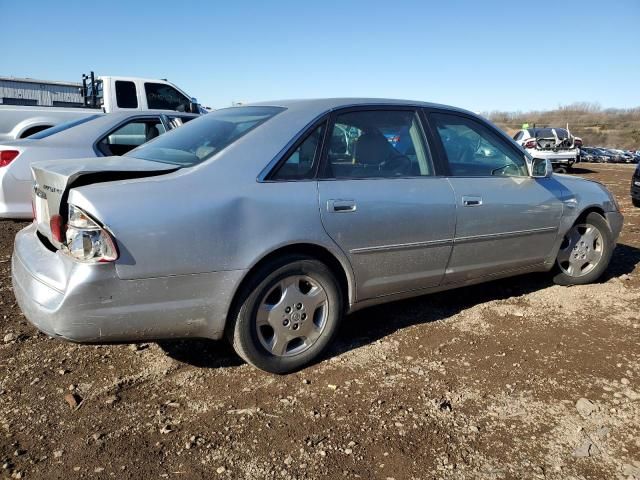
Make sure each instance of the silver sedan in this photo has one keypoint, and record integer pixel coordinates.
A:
(96, 135)
(268, 223)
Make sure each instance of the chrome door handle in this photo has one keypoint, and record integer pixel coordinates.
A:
(341, 206)
(471, 201)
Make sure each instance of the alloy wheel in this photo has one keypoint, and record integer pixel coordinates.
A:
(581, 250)
(292, 315)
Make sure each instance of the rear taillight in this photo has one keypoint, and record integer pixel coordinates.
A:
(8, 156)
(531, 143)
(87, 241)
(55, 224)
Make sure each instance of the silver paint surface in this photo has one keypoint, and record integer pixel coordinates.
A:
(188, 238)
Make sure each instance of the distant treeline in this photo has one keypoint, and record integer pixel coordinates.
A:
(613, 128)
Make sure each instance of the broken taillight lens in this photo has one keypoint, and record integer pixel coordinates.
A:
(87, 241)
(55, 224)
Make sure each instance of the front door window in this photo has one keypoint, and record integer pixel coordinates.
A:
(473, 151)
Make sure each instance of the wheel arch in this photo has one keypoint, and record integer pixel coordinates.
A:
(590, 209)
(338, 266)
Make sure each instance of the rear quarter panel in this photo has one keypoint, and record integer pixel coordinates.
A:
(180, 224)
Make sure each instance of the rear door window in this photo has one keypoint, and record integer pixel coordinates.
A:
(126, 96)
(300, 165)
(131, 135)
(377, 144)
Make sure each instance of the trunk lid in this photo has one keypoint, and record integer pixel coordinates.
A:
(53, 180)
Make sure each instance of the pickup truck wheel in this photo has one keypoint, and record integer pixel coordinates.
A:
(287, 315)
(585, 251)
(635, 201)
(560, 170)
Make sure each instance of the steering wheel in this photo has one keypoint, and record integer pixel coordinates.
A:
(398, 165)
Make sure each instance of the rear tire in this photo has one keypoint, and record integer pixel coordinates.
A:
(585, 251)
(560, 170)
(287, 314)
(635, 201)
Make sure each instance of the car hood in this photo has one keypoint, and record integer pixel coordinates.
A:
(53, 179)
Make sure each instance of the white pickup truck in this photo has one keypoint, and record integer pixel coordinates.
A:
(106, 93)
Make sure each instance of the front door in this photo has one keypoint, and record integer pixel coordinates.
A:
(506, 220)
(382, 203)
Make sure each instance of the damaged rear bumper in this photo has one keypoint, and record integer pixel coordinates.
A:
(567, 157)
(89, 303)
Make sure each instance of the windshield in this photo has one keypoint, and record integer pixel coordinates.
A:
(202, 138)
(61, 127)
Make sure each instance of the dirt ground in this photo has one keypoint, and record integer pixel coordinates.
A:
(512, 379)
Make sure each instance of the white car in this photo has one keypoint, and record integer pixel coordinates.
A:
(554, 144)
(99, 135)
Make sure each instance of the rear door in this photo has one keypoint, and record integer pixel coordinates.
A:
(506, 219)
(382, 201)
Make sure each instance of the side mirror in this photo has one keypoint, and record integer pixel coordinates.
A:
(194, 107)
(541, 168)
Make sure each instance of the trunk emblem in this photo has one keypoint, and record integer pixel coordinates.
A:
(38, 192)
(52, 189)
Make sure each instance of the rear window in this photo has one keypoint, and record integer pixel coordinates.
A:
(547, 132)
(62, 127)
(201, 139)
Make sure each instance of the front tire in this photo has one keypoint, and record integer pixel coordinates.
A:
(585, 251)
(287, 314)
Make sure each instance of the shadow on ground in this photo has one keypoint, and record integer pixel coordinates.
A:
(581, 170)
(202, 353)
(373, 323)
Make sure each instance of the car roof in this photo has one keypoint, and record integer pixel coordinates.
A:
(104, 122)
(134, 113)
(321, 105)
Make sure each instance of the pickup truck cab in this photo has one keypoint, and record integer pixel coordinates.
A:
(106, 94)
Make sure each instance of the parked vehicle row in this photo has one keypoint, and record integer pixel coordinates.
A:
(635, 187)
(96, 135)
(608, 155)
(267, 223)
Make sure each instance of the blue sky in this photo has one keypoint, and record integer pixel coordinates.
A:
(482, 55)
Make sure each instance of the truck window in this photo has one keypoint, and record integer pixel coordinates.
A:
(165, 97)
(126, 96)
